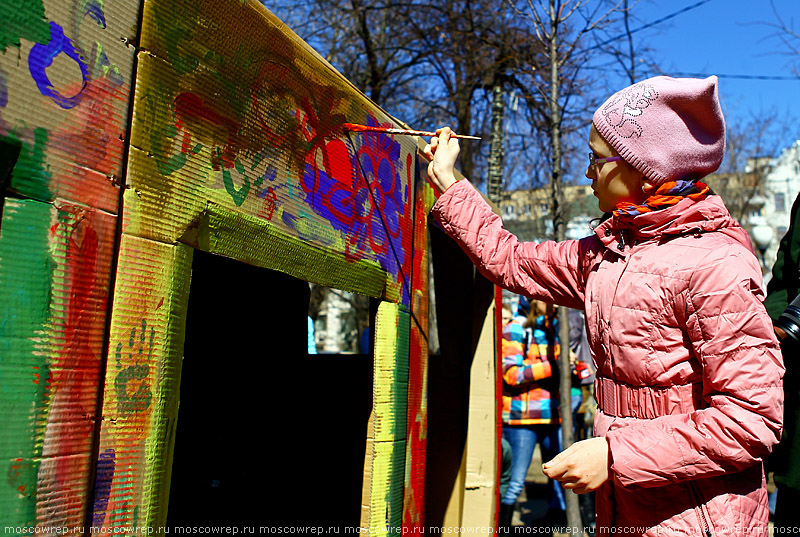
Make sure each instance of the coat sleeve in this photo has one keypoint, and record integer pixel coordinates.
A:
(731, 337)
(519, 370)
(546, 271)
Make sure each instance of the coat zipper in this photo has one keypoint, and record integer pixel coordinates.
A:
(625, 259)
(701, 517)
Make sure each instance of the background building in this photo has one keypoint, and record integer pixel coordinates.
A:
(760, 197)
(526, 213)
(781, 187)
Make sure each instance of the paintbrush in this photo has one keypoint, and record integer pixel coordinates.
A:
(352, 127)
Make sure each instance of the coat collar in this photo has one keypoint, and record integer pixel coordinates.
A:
(686, 217)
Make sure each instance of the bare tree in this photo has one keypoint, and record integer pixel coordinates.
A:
(788, 36)
(626, 16)
(369, 41)
(634, 59)
(751, 146)
(514, 47)
(428, 64)
(472, 46)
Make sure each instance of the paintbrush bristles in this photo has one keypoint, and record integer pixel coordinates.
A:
(352, 127)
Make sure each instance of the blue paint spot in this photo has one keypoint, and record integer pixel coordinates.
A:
(106, 463)
(41, 57)
(3, 88)
(269, 175)
(94, 9)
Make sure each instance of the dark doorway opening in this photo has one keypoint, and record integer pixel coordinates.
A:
(267, 434)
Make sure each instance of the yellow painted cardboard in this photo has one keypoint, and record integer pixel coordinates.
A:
(142, 381)
(253, 122)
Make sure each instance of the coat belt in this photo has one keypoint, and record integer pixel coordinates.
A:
(625, 401)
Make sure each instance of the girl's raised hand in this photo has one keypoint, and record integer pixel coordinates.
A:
(582, 467)
(442, 152)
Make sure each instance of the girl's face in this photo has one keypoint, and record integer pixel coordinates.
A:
(613, 182)
(539, 307)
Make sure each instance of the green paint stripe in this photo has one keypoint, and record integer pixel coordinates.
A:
(22, 19)
(31, 176)
(25, 281)
(390, 405)
(259, 242)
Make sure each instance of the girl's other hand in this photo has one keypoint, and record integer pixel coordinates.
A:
(582, 467)
(442, 152)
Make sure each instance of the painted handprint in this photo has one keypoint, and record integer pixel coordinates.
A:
(132, 383)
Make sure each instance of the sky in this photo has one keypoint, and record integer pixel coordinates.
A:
(731, 39)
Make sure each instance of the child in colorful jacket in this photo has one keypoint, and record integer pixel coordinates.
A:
(689, 372)
(530, 399)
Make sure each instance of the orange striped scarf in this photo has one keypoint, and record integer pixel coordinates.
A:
(667, 195)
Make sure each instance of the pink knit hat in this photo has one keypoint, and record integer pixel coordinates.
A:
(667, 128)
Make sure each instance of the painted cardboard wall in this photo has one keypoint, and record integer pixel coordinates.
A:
(65, 82)
(137, 133)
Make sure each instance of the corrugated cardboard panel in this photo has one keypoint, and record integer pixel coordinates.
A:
(65, 74)
(81, 251)
(366, 493)
(386, 503)
(51, 354)
(482, 479)
(258, 242)
(389, 417)
(142, 382)
(68, 75)
(417, 417)
(232, 108)
(237, 147)
(25, 280)
(391, 372)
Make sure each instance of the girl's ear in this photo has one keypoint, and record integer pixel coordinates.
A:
(648, 187)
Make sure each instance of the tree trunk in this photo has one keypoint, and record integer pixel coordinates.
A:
(494, 176)
(464, 126)
(559, 228)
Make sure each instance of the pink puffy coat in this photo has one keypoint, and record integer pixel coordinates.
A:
(689, 370)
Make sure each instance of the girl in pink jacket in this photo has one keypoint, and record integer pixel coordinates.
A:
(688, 368)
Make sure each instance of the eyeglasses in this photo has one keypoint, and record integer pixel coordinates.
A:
(594, 161)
